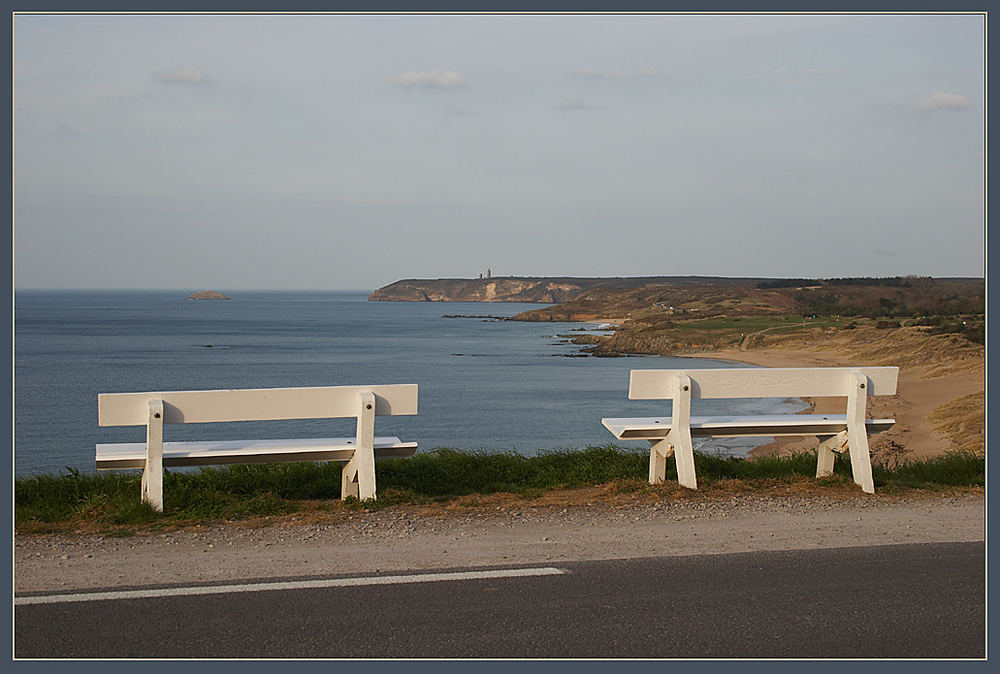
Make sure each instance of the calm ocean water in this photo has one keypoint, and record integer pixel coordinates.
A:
(497, 385)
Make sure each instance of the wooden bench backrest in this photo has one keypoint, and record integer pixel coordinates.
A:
(791, 382)
(193, 407)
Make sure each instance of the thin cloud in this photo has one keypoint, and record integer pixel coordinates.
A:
(921, 107)
(575, 104)
(435, 79)
(943, 101)
(765, 72)
(596, 74)
(789, 74)
(188, 76)
(67, 132)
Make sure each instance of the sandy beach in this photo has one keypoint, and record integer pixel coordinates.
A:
(918, 395)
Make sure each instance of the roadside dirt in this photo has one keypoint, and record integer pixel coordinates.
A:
(488, 532)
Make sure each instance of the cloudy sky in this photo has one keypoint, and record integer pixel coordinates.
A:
(347, 151)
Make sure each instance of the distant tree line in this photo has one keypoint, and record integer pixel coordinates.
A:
(889, 281)
(874, 304)
(787, 283)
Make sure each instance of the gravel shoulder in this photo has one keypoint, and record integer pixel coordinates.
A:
(414, 539)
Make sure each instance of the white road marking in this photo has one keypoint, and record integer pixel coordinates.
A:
(287, 585)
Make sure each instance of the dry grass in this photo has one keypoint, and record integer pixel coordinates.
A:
(963, 421)
(911, 348)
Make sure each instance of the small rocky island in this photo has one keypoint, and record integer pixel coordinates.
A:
(208, 295)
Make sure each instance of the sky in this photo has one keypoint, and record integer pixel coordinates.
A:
(330, 151)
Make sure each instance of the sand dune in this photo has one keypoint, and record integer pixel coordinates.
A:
(918, 395)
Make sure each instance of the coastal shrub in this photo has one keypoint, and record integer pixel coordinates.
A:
(127, 511)
(455, 472)
(959, 468)
(710, 467)
(52, 498)
(310, 480)
(231, 507)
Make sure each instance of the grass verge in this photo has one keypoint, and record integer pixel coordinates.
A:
(254, 491)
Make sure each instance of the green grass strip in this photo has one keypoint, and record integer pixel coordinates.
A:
(235, 492)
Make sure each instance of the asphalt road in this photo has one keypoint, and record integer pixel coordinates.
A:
(901, 601)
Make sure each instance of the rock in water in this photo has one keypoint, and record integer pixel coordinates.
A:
(208, 295)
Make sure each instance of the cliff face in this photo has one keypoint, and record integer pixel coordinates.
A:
(507, 289)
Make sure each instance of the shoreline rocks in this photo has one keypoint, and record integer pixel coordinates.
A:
(208, 295)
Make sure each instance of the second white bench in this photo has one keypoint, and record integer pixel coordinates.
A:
(154, 409)
(838, 432)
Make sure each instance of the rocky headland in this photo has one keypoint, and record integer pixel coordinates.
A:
(530, 289)
(544, 291)
(933, 329)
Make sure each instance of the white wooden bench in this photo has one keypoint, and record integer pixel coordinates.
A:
(837, 432)
(154, 409)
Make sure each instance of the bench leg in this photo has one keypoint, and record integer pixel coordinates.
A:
(857, 434)
(358, 477)
(152, 473)
(659, 451)
(827, 451)
(680, 433)
(684, 457)
(354, 480)
(348, 481)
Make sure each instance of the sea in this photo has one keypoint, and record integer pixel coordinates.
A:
(484, 384)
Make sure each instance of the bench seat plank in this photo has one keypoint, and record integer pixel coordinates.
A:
(116, 456)
(654, 428)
